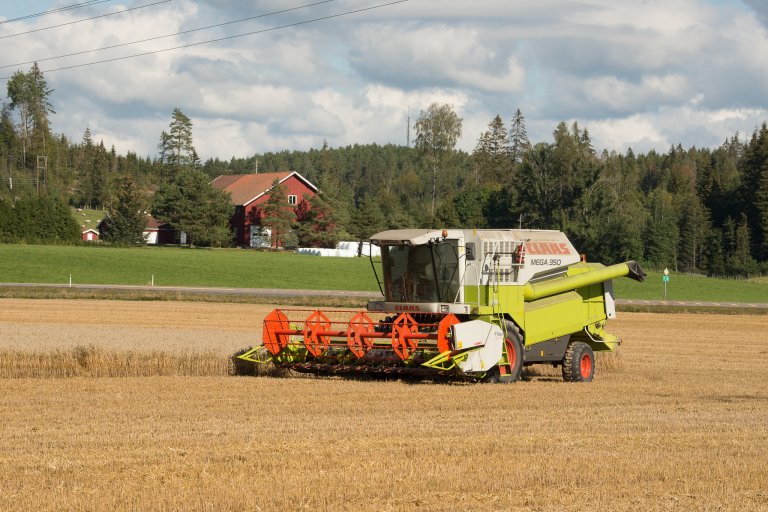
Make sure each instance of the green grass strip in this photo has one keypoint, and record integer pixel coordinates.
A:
(173, 266)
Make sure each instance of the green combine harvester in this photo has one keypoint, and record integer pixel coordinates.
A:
(463, 304)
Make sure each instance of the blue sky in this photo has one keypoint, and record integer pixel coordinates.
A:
(645, 75)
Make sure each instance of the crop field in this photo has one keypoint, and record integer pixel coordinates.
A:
(676, 420)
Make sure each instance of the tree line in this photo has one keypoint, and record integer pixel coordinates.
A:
(695, 209)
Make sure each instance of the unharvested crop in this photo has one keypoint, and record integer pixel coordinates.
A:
(92, 361)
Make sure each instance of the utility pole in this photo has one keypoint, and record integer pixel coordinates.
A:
(10, 173)
(42, 164)
(408, 130)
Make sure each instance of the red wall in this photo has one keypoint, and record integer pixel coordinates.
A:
(252, 214)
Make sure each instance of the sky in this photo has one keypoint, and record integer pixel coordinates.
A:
(645, 74)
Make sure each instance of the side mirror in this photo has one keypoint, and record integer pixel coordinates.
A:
(469, 249)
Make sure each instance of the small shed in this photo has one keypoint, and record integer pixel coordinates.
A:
(90, 235)
(158, 232)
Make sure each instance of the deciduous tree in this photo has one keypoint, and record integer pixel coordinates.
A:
(29, 94)
(437, 131)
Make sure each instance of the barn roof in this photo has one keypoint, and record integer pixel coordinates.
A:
(246, 188)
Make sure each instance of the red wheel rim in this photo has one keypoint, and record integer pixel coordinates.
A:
(586, 366)
(443, 329)
(511, 354)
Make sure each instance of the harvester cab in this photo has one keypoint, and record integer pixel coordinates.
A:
(467, 304)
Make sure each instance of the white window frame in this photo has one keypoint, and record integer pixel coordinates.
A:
(292, 200)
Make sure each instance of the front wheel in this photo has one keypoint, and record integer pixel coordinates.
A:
(578, 363)
(511, 366)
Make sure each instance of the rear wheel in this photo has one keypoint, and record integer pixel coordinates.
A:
(579, 363)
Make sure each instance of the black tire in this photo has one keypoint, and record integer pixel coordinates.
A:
(492, 376)
(578, 363)
(513, 345)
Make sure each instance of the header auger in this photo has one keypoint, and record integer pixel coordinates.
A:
(462, 304)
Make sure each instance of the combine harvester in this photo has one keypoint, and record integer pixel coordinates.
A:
(464, 304)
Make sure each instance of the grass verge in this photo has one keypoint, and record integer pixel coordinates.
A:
(174, 266)
(23, 292)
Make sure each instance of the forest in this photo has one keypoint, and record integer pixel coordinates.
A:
(699, 210)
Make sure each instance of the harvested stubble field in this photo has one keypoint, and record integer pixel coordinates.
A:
(678, 421)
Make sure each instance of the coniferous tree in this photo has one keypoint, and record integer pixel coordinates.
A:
(367, 219)
(42, 219)
(662, 234)
(693, 227)
(471, 207)
(712, 255)
(176, 147)
(8, 146)
(190, 204)
(446, 215)
(761, 207)
(741, 262)
(126, 218)
(518, 138)
(753, 162)
(90, 181)
(491, 157)
(318, 227)
(100, 176)
(278, 216)
(538, 188)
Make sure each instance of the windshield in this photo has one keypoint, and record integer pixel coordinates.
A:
(422, 273)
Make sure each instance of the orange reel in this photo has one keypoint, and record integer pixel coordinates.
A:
(357, 340)
(314, 339)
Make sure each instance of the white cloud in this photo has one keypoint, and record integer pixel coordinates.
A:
(643, 74)
(436, 54)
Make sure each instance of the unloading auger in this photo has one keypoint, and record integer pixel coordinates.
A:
(463, 304)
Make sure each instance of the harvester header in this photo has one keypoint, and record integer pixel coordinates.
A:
(468, 304)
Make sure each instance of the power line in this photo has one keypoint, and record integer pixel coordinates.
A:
(296, 24)
(59, 9)
(165, 36)
(85, 19)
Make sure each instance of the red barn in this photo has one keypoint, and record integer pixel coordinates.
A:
(251, 191)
